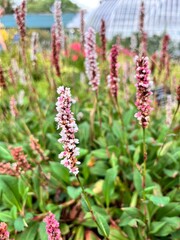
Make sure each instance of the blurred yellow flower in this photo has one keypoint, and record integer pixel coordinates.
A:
(3, 32)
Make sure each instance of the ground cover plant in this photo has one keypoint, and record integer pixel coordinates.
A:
(114, 172)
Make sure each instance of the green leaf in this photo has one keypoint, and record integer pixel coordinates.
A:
(53, 143)
(101, 141)
(30, 233)
(108, 185)
(21, 186)
(131, 217)
(5, 216)
(64, 228)
(19, 224)
(136, 222)
(170, 210)
(84, 132)
(99, 169)
(79, 233)
(116, 129)
(14, 212)
(156, 227)
(38, 189)
(5, 154)
(127, 116)
(149, 189)
(82, 152)
(130, 233)
(88, 221)
(42, 231)
(133, 221)
(101, 211)
(117, 234)
(36, 183)
(28, 215)
(173, 221)
(51, 207)
(160, 201)
(114, 160)
(23, 190)
(9, 187)
(137, 179)
(136, 155)
(84, 204)
(73, 192)
(165, 148)
(133, 212)
(165, 227)
(103, 226)
(171, 173)
(100, 154)
(134, 199)
(60, 172)
(176, 235)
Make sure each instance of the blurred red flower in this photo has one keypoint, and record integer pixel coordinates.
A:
(76, 46)
(74, 58)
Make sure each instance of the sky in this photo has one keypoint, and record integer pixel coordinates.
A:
(87, 4)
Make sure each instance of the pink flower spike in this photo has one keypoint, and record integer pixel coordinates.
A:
(55, 45)
(66, 122)
(34, 47)
(178, 94)
(13, 107)
(52, 227)
(2, 79)
(20, 15)
(91, 65)
(113, 77)
(4, 234)
(82, 12)
(58, 24)
(143, 91)
(103, 39)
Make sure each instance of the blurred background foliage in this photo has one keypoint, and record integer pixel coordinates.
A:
(40, 6)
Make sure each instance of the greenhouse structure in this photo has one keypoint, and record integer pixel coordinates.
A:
(122, 17)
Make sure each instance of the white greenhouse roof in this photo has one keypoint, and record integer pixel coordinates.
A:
(122, 17)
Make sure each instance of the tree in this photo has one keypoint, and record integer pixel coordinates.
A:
(7, 5)
(43, 6)
(37, 6)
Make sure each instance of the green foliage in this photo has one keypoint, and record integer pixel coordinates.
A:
(43, 6)
(108, 185)
(74, 193)
(165, 227)
(30, 233)
(103, 227)
(9, 191)
(4, 153)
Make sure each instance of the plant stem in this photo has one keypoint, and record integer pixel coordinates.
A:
(145, 160)
(90, 208)
(144, 182)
